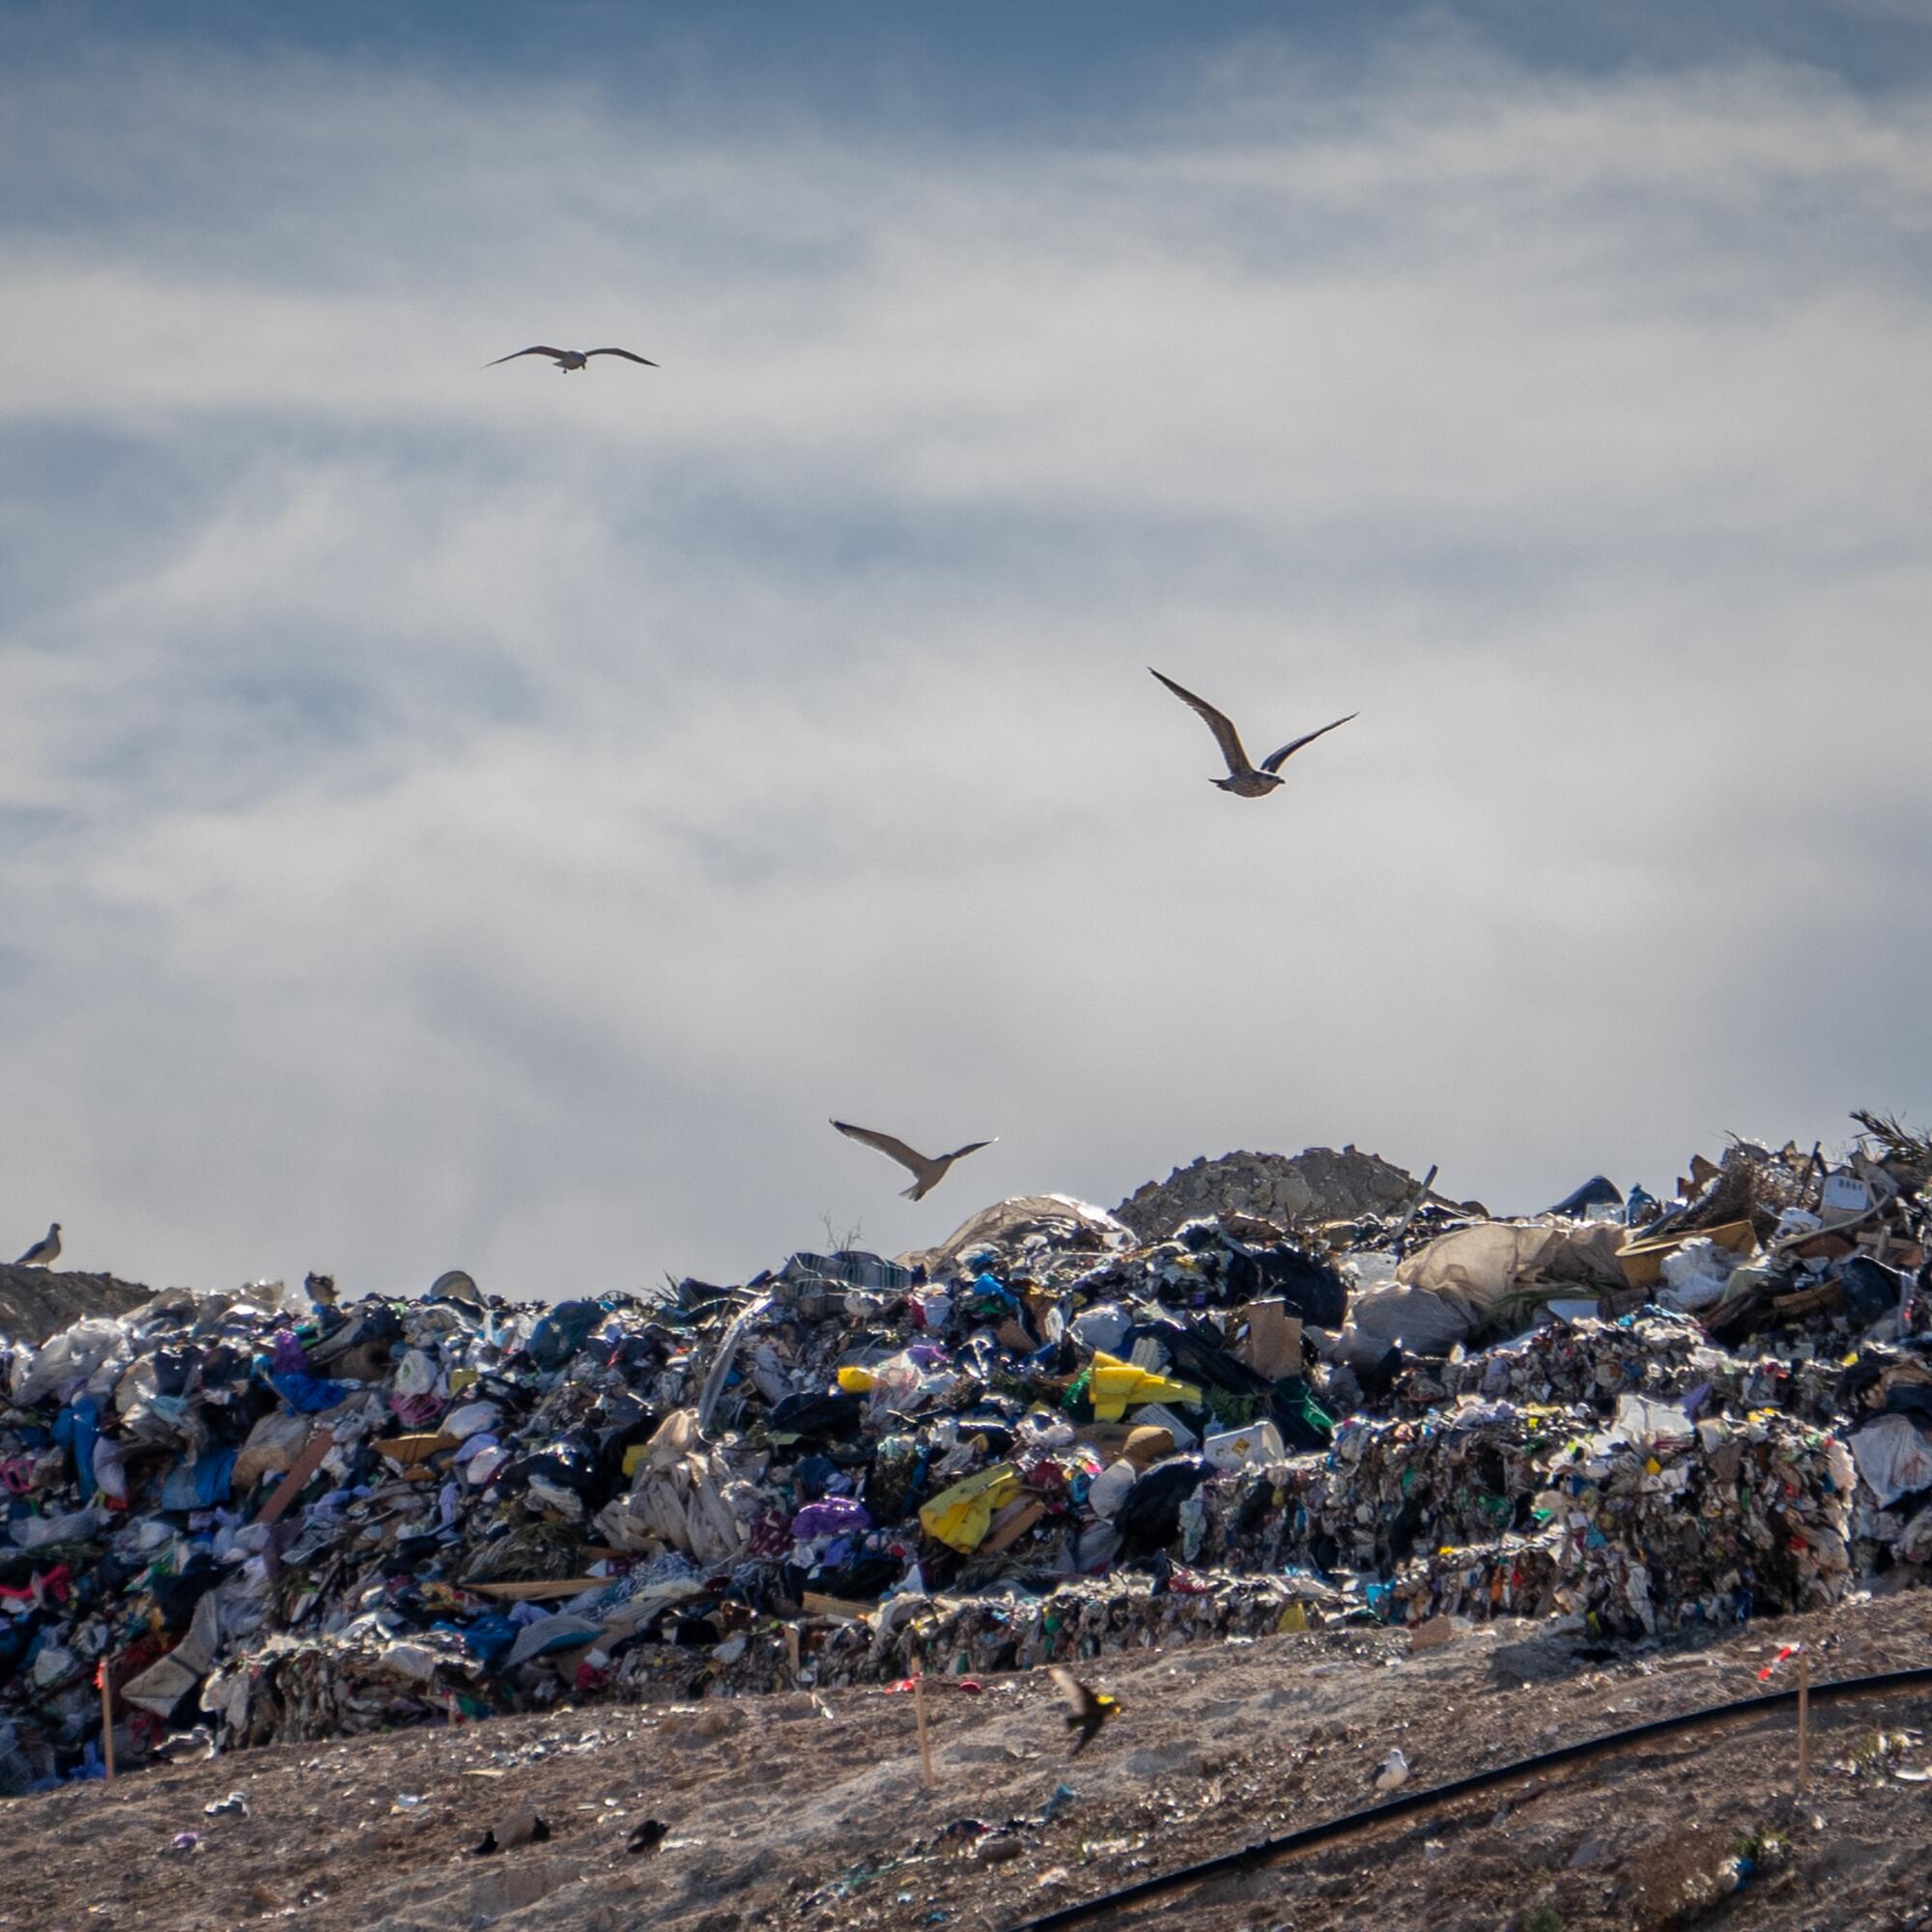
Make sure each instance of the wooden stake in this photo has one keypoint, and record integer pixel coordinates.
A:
(1804, 1718)
(106, 1722)
(925, 1776)
(1415, 1206)
(792, 1653)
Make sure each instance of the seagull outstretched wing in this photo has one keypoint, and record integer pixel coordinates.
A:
(1086, 1710)
(1274, 760)
(888, 1145)
(535, 348)
(624, 352)
(1217, 721)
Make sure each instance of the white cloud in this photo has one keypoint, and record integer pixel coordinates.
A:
(492, 819)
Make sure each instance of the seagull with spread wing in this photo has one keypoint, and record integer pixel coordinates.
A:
(568, 359)
(1087, 1710)
(927, 1172)
(1244, 779)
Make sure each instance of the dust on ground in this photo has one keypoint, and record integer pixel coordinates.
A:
(805, 1811)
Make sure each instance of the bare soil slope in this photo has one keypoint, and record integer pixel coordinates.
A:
(806, 1810)
(37, 1302)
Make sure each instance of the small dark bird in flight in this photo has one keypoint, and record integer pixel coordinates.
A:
(1086, 1710)
(568, 359)
(1244, 780)
(927, 1172)
(44, 1253)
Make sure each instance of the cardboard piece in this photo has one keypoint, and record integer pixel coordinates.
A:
(1112, 1441)
(1272, 1346)
(1642, 1261)
(164, 1683)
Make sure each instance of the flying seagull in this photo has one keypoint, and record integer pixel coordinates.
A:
(44, 1253)
(568, 359)
(1244, 780)
(926, 1173)
(1086, 1710)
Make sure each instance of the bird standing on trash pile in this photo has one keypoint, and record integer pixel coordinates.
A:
(1393, 1773)
(44, 1253)
(568, 359)
(1086, 1710)
(1244, 779)
(926, 1173)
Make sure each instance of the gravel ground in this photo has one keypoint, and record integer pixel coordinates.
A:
(806, 1810)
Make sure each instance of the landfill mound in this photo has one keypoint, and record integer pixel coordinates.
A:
(1316, 1185)
(286, 1519)
(35, 1302)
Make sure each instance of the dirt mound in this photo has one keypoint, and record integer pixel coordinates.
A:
(37, 1302)
(1317, 1184)
(802, 1813)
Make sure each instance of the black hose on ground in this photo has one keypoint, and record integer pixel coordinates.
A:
(1265, 1849)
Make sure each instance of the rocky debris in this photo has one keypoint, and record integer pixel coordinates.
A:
(1291, 1190)
(37, 1302)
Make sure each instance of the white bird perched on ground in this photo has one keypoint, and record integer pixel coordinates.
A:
(1394, 1772)
(1244, 779)
(44, 1253)
(568, 359)
(927, 1172)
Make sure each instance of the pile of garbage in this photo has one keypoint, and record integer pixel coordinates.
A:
(287, 1518)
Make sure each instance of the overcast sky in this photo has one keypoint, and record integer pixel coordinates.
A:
(464, 818)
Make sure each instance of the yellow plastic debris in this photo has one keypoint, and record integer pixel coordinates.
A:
(857, 1381)
(960, 1517)
(1118, 1386)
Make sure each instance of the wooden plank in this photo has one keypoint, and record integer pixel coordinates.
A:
(407, 1451)
(816, 1604)
(537, 1591)
(300, 1470)
(1414, 1207)
(1011, 1523)
(925, 1776)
